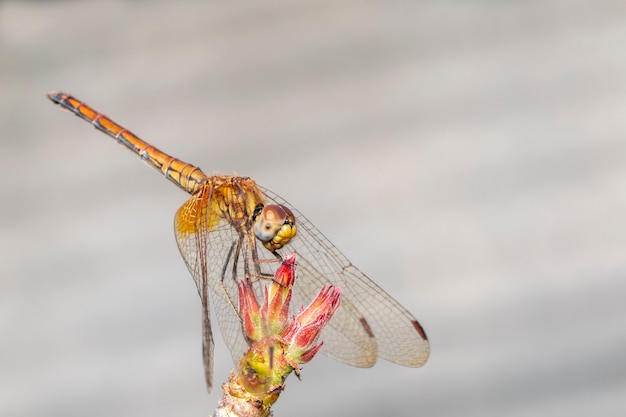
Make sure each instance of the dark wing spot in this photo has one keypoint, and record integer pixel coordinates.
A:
(419, 329)
(366, 327)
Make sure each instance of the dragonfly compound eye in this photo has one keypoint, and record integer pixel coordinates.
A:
(274, 226)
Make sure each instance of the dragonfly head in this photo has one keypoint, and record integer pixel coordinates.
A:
(274, 225)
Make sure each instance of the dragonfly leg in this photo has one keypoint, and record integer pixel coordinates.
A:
(236, 258)
(228, 256)
(257, 266)
(258, 262)
(224, 269)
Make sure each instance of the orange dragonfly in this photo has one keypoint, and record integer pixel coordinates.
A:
(231, 227)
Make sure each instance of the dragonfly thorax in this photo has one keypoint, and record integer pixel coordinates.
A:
(274, 225)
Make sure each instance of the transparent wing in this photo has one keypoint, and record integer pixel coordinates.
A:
(369, 323)
(206, 240)
(214, 235)
(218, 248)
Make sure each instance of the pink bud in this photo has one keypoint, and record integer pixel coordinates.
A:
(286, 272)
(249, 311)
(303, 331)
(275, 310)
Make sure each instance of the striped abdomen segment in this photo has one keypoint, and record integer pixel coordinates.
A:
(186, 176)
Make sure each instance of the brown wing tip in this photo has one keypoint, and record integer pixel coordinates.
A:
(419, 329)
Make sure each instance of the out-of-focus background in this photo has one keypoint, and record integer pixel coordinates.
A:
(469, 156)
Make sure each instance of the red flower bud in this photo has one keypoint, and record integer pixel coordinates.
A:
(249, 311)
(303, 331)
(275, 310)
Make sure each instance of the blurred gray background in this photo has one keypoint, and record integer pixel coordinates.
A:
(468, 156)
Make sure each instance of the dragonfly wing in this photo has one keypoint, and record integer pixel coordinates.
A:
(370, 310)
(345, 338)
(206, 240)
(192, 243)
(225, 288)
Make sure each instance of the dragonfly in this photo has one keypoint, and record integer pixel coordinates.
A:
(231, 228)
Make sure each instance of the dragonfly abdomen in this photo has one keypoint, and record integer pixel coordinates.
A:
(188, 177)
